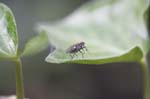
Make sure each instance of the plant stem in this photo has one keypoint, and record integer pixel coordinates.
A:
(146, 79)
(19, 80)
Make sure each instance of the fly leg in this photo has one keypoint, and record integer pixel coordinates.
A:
(76, 54)
(81, 53)
(85, 48)
(72, 56)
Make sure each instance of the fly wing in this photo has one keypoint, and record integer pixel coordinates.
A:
(68, 50)
(72, 49)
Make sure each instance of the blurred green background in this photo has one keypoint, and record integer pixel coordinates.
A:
(65, 81)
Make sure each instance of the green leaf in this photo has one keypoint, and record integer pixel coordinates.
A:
(36, 45)
(8, 33)
(113, 31)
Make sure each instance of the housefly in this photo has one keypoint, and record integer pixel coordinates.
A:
(74, 49)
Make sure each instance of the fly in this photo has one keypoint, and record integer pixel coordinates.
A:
(74, 49)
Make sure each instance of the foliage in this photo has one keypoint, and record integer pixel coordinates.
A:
(9, 38)
(113, 31)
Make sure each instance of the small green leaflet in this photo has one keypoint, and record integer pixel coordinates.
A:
(36, 45)
(8, 33)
